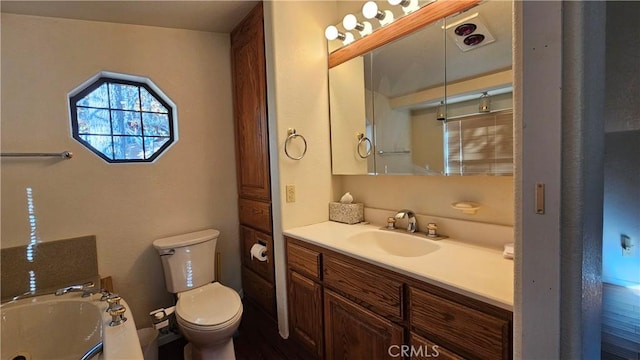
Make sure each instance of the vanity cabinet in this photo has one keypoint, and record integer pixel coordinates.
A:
(252, 157)
(345, 308)
(353, 332)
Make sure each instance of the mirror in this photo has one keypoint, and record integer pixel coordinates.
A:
(403, 86)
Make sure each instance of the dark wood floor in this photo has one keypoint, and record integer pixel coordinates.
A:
(257, 339)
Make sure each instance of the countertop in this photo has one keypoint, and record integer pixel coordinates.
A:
(474, 271)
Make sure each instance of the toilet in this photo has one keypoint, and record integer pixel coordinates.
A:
(208, 313)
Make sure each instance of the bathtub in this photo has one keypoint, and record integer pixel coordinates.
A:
(64, 327)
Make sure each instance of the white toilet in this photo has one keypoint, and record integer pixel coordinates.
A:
(208, 313)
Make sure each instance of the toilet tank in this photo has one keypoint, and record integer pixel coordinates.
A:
(188, 260)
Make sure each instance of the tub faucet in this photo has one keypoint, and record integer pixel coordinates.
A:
(412, 224)
(87, 289)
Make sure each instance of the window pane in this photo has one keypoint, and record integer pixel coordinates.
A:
(93, 121)
(155, 124)
(97, 98)
(150, 103)
(100, 143)
(153, 144)
(128, 147)
(124, 97)
(126, 122)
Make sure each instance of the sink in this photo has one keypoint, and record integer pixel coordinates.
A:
(394, 243)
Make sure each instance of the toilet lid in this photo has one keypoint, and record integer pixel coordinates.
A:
(211, 304)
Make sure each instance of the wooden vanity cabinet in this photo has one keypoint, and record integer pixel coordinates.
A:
(355, 310)
(353, 332)
(305, 297)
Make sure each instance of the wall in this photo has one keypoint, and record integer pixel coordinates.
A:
(297, 92)
(126, 206)
(622, 145)
(433, 195)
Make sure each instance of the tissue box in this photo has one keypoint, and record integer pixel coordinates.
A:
(346, 213)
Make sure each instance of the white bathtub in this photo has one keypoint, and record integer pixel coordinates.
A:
(65, 327)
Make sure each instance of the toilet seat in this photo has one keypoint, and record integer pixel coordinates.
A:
(209, 307)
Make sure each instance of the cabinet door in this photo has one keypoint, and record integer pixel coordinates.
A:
(353, 332)
(422, 348)
(249, 86)
(305, 312)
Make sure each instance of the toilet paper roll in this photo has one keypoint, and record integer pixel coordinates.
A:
(259, 252)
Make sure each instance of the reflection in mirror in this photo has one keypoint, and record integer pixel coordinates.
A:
(479, 120)
(407, 78)
(351, 118)
(420, 101)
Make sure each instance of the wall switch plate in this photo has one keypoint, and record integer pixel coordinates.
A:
(627, 245)
(291, 193)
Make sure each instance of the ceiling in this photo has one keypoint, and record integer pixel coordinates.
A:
(209, 15)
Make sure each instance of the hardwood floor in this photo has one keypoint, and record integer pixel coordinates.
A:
(620, 323)
(257, 339)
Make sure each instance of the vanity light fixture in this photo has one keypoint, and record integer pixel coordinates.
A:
(350, 22)
(332, 33)
(370, 10)
(408, 6)
(485, 103)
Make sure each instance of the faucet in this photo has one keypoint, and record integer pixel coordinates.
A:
(86, 289)
(412, 224)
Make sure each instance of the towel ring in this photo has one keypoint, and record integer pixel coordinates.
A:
(363, 139)
(292, 134)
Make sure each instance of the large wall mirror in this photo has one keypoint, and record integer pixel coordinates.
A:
(436, 101)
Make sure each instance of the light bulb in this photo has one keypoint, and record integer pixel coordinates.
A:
(348, 38)
(398, 2)
(350, 22)
(332, 33)
(370, 9)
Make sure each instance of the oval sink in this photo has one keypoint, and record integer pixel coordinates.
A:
(394, 243)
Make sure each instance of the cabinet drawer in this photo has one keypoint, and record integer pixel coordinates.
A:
(259, 290)
(471, 332)
(303, 260)
(425, 349)
(255, 214)
(371, 288)
(249, 238)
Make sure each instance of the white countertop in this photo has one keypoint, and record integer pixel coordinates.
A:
(477, 272)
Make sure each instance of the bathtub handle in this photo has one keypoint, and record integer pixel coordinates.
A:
(117, 315)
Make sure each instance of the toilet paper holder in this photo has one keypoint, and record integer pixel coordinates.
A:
(259, 251)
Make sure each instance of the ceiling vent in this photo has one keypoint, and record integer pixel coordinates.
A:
(469, 33)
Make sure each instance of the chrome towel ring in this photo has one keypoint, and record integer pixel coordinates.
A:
(292, 134)
(364, 140)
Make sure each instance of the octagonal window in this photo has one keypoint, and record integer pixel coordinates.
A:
(123, 118)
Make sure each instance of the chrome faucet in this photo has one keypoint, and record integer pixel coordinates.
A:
(86, 289)
(412, 223)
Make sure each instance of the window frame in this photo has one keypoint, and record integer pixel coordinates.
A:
(103, 77)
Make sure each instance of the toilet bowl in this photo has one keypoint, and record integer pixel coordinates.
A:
(208, 313)
(208, 317)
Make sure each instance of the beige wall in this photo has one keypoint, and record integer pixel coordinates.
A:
(127, 206)
(297, 98)
(433, 195)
